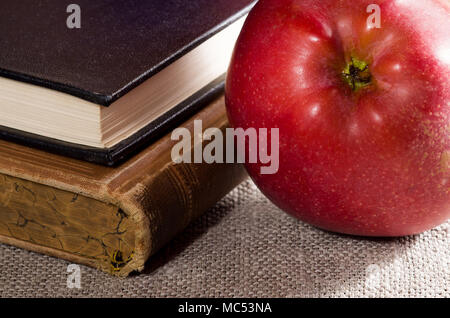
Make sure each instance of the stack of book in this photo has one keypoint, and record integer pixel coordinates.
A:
(89, 96)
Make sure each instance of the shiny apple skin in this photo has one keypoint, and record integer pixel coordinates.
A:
(373, 162)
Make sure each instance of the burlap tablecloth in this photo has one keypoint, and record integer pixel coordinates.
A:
(246, 247)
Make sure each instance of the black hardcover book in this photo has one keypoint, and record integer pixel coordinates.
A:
(100, 80)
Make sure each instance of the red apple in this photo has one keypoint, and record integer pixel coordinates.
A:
(363, 112)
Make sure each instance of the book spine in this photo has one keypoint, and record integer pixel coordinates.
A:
(166, 197)
(177, 196)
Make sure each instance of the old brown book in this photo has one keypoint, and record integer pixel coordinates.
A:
(110, 218)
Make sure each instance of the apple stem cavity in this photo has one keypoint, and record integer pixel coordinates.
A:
(356, 74)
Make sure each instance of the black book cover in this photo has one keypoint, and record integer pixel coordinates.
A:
(121, 44)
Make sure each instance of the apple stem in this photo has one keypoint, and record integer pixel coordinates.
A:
(356, 74)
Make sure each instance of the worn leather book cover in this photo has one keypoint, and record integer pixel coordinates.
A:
(113, 219)
(120, 45)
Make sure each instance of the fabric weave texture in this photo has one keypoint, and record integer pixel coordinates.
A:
(247, 247)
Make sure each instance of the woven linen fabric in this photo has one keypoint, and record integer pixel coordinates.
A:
(247, 247)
